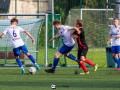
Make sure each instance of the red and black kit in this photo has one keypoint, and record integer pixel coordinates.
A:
(82, 46)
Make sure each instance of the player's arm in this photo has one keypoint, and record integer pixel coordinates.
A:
(109, 39)
(26, 32)
(2, 35)
(56, 36)
(117, 36)
(76, 29)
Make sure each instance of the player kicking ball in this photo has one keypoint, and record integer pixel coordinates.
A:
(82, 48)
(17, 43)
(64, 32)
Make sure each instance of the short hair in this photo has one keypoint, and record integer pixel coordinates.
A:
(79, 22)
(14, 19)
(56, 22)
(116, 19)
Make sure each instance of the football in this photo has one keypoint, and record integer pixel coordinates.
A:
(32, 70)
(53, 86)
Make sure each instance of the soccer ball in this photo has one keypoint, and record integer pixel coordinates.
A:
(32, 70)
(53, 86)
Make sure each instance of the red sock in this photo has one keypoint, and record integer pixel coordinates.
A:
(82, 64)
(89, 62)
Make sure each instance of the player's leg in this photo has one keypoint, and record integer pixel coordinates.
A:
(25, 50)
(55, 62)
(71, 57)
(116, 59)
(92, 64)
(68, 49)
(114, 51)
(84, 53)
(61, 51)
(81, 59)
(83, 66)
(118, 62)
(17, 54)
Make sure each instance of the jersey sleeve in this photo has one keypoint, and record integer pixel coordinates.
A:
(5, 31)
(21, 29)
(68, 27)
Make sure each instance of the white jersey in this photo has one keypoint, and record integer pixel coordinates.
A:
(115, 32)
(65, 33)
(14, 34)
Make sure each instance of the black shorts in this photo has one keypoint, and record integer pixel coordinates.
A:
(82, 52)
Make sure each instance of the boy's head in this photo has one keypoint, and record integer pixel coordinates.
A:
(79, 23)
(57, 24)
(116, 21)
(14, 21)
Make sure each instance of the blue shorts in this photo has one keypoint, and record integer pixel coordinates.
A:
(116, 49)
(65, 49)
(17, 50)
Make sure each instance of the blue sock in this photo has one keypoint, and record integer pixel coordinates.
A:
(56, 60)
(19, 62)
(32, 59)
(72, 57)
(118, 63)
(117, 60)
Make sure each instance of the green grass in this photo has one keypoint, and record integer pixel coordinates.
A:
(97, 55)
(64, 79)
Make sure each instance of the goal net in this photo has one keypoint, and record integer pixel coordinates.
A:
(41, 28)
(31, 24)
(96, 24)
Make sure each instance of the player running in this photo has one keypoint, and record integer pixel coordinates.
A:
(82, 48)
(114, 34)
(17, 43)
(64, 32)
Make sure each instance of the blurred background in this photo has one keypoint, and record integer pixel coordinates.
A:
(97, 16)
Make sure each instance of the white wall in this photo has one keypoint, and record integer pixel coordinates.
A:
(28, 6)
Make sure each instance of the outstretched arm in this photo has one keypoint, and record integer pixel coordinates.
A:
(2, 35)
(56, 36)
(26, 32)
(76, 29)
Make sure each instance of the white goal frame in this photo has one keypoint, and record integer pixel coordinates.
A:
(85, 9)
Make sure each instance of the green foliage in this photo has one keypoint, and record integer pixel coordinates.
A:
(63, 6)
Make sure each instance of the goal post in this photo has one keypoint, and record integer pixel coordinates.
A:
(96, 24)
(28, 22)
(40, 26)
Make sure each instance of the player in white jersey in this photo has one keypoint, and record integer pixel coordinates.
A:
(17, 43)
(114, 34)
(68, 44)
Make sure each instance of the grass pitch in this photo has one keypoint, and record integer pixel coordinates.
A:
(64, 79)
